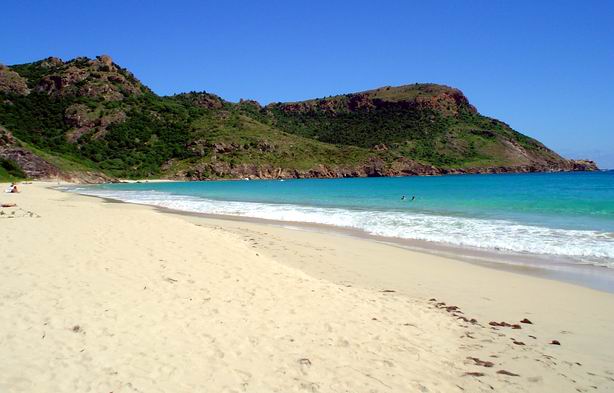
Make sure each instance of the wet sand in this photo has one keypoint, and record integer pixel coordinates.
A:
(543, 266)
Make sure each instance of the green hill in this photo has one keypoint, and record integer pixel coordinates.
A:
(92, 120)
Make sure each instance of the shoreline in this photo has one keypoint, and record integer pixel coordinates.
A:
(118, 296)
(213, 179)
(544, 266)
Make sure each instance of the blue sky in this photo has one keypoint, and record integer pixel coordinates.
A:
(544, 67)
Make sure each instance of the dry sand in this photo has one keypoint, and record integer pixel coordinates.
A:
(111, 297)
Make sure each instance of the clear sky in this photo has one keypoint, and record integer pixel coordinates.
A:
(544, 67)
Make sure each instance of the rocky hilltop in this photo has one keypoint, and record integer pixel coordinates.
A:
(92, 120)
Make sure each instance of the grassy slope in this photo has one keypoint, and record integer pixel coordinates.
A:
(10, 171)
(254, 142)
(6, 177)
(65, 163)
(466, 139)
(424, 136)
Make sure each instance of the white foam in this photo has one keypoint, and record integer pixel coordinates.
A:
(584, 246)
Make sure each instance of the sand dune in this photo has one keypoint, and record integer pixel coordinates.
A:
(109, 297)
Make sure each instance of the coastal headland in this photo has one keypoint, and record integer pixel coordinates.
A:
(92, 120)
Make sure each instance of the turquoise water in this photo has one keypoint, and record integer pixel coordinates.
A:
(563, 214)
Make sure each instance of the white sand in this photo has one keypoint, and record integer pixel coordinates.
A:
(108, 297)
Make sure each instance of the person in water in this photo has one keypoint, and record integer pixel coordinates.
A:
(403, 198)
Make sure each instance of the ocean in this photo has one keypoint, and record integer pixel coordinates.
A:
(566, 216)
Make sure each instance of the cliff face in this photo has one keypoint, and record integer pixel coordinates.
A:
(99, 119)
(445, 100)
(372, 168)
(32, 165)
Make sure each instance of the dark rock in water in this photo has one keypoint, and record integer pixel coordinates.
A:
(526, 321)
(555, 342)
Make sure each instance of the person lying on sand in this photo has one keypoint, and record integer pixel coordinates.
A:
(8, 205)
(12, 189)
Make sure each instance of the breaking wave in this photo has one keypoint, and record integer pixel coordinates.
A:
(583, 246)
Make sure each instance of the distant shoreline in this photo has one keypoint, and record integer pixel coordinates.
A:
(178, 180)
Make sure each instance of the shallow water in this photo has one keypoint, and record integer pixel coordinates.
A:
(568, 215)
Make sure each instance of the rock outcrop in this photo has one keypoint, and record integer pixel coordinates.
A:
(84, 121)
(84, 77)
(36, 167)
(372, 168)
(11, 82)
(31, 164)
(442, 99)
(201, 100)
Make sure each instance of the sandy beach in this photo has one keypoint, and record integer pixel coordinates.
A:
(114, 297)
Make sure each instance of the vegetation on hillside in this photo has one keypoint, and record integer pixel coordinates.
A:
(94, 114)
(10, 171)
